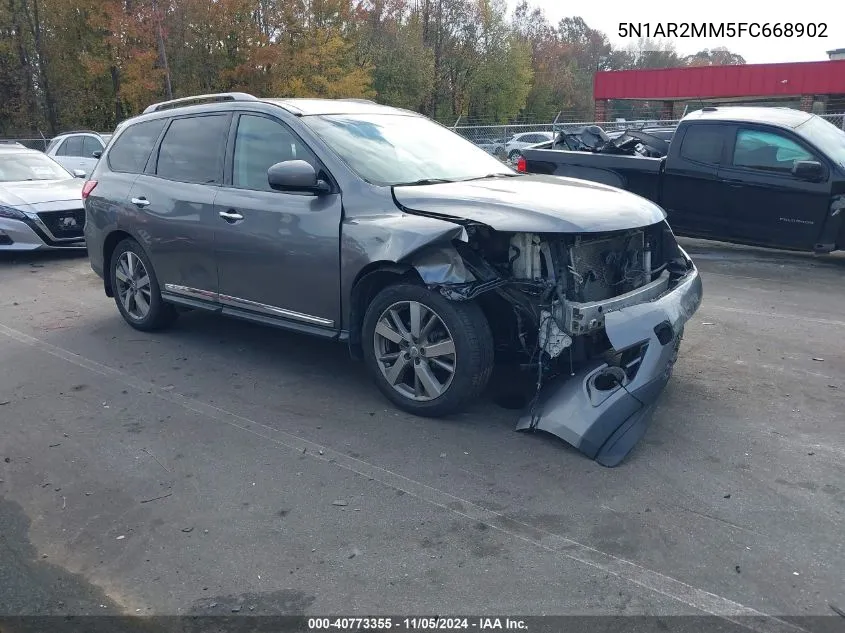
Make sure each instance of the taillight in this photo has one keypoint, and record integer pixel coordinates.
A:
(87, 188)
(520, 165)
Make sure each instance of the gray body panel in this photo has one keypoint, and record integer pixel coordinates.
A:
(535, 203)
(284, 253)
(177, 229)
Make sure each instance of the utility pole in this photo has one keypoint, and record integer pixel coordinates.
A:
(162, 52)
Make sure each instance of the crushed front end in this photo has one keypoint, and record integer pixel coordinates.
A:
(596, 317)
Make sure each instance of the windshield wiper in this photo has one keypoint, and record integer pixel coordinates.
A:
(496, 175)
(423, 181)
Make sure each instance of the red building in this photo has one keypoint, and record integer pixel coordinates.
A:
(804, 82)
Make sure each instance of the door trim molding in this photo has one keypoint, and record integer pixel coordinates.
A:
(246, 304)
(238, 302)
(195, 293)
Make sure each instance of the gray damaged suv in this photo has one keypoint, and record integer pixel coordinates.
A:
(377, 227)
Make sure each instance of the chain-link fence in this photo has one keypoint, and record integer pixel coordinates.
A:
(502, 140)
(39, 143)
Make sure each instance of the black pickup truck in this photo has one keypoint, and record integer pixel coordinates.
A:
(762, 176)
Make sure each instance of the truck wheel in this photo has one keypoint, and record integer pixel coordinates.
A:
(428, 355)
(136, 290)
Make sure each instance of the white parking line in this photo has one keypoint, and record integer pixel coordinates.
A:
(657, 582)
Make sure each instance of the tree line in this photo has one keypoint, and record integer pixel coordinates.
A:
(91, 63)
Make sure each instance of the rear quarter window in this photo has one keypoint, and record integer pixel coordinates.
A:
(703, 144)
(132, 149)
(71, 147)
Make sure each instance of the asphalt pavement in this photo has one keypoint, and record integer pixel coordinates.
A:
(225, 466)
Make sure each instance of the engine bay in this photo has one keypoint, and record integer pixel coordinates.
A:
(545, 293)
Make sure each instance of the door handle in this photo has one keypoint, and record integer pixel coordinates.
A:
(230, 216)
(140, 202)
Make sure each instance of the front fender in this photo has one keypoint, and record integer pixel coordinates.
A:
(371, 242)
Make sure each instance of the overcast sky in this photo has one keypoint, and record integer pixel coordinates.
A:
(606, 15)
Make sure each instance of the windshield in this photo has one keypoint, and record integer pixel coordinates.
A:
(389, 149)
(825, 136)
(18, 166)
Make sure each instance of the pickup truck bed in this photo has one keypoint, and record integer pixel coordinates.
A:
(638, 175)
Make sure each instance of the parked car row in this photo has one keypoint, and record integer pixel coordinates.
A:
(78, 150)
(509, 147)
(40, 202)
(41, 192)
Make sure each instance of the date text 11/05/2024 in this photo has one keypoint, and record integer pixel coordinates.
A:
(417, 624)
(723, 29)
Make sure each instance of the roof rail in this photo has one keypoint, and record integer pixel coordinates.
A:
(78, 132)
(196, 99)
(355, 100)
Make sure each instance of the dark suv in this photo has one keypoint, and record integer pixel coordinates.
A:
(378, 227)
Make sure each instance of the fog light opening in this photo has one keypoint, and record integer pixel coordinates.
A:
(609, 378)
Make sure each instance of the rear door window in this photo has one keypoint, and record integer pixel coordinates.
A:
(703, 144)
(193, 149)
(132, 148)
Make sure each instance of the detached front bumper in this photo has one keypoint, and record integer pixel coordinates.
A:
(602, 411)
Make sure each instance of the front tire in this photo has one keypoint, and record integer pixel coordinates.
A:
(428, 355)
(136, 290)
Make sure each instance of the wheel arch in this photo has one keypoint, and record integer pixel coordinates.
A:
(109, 244)
(372, 279)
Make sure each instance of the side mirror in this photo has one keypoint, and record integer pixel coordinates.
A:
(97, 154)
(808, 170)
(79, 173)
(296, 176)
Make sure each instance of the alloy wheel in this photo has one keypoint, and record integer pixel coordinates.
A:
(414, 350)
(133, 285)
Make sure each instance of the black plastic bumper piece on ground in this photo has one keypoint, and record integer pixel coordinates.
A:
(606, 421)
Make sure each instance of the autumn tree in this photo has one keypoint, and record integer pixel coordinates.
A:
(92, 63)
(716, 57)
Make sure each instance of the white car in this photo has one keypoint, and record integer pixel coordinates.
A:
(40, 202)
(78, 150)
(525, 139)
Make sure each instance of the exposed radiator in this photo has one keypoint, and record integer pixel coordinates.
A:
(603, 268)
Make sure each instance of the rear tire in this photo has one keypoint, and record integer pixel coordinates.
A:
(136, 290)
(433, 364)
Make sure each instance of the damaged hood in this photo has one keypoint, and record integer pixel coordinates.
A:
(533, 203)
